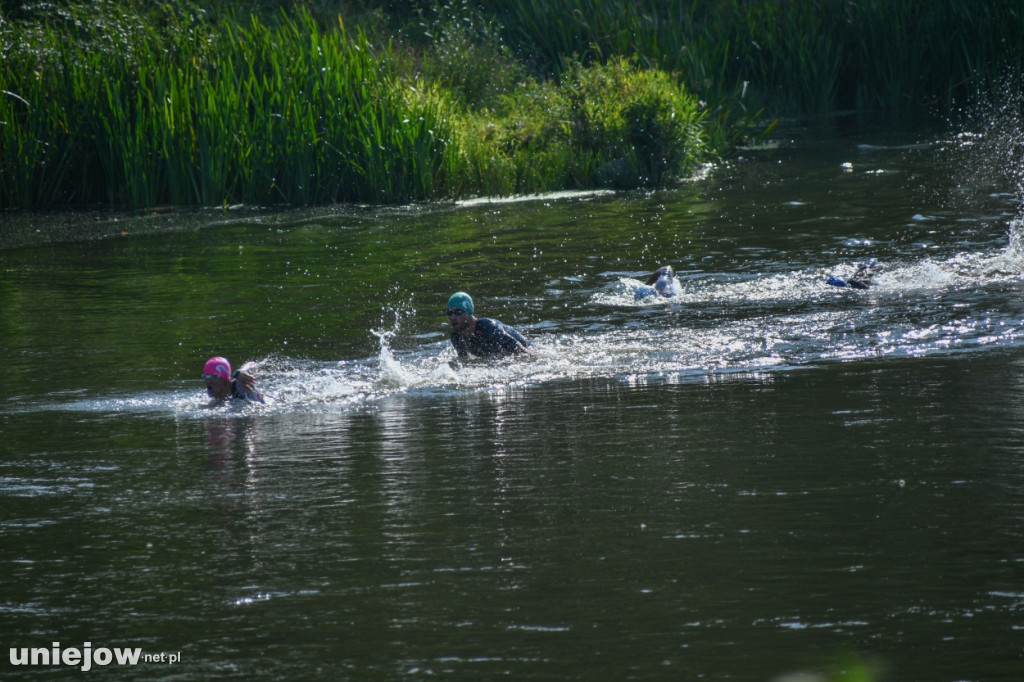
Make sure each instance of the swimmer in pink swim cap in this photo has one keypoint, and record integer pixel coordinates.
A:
(222, 383)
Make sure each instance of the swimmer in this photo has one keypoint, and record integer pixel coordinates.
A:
(481, 337)
(661, 283)
(222, 384)
(860, 280)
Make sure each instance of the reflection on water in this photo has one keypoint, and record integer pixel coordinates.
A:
(764, 474)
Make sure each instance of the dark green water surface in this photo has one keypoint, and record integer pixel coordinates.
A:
(764, 476)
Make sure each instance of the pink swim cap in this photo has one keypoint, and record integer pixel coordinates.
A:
(219, 366)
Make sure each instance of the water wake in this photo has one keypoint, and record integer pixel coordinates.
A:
(925, 299)
(719, 323)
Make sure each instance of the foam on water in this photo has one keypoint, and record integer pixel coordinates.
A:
(927, 297)
(718, 323)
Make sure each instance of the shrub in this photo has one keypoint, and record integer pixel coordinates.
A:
(612, 125)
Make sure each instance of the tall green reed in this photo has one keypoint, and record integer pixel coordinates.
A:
(196, 115)
(792, 57)
(183, 111)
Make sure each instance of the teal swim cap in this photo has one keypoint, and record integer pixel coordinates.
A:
(462, 301)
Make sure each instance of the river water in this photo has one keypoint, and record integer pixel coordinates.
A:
(765, 476)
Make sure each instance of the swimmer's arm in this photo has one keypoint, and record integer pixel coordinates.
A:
(515, 343)
(461, 349)
(245, 376)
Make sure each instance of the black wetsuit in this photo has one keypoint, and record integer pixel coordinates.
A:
(240, 392)
(860, 280)
(490, 337)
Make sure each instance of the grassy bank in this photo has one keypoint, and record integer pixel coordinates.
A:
(178, 106)
(142, 104)
(136, 111)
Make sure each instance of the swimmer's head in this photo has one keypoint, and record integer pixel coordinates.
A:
(665, 284)
(462, 301)
(217, 366)
(665, 271)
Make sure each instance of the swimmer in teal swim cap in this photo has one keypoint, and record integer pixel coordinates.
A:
(480, 337)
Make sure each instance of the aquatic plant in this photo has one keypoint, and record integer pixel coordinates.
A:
(138, 104)
(612, 125)
(175, 108)
(192, 115)
(796, 58)
(462, 51)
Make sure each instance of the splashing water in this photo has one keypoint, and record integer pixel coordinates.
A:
(1012, 259)
(988, 153)
(719, 324)
(927, 298)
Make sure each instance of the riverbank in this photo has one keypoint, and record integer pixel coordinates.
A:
(130, 106)
(124, 110)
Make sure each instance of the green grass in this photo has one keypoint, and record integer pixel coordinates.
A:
(612, 125)
(143, 104)
(185, 111)
(246, 113)
(798, 58)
